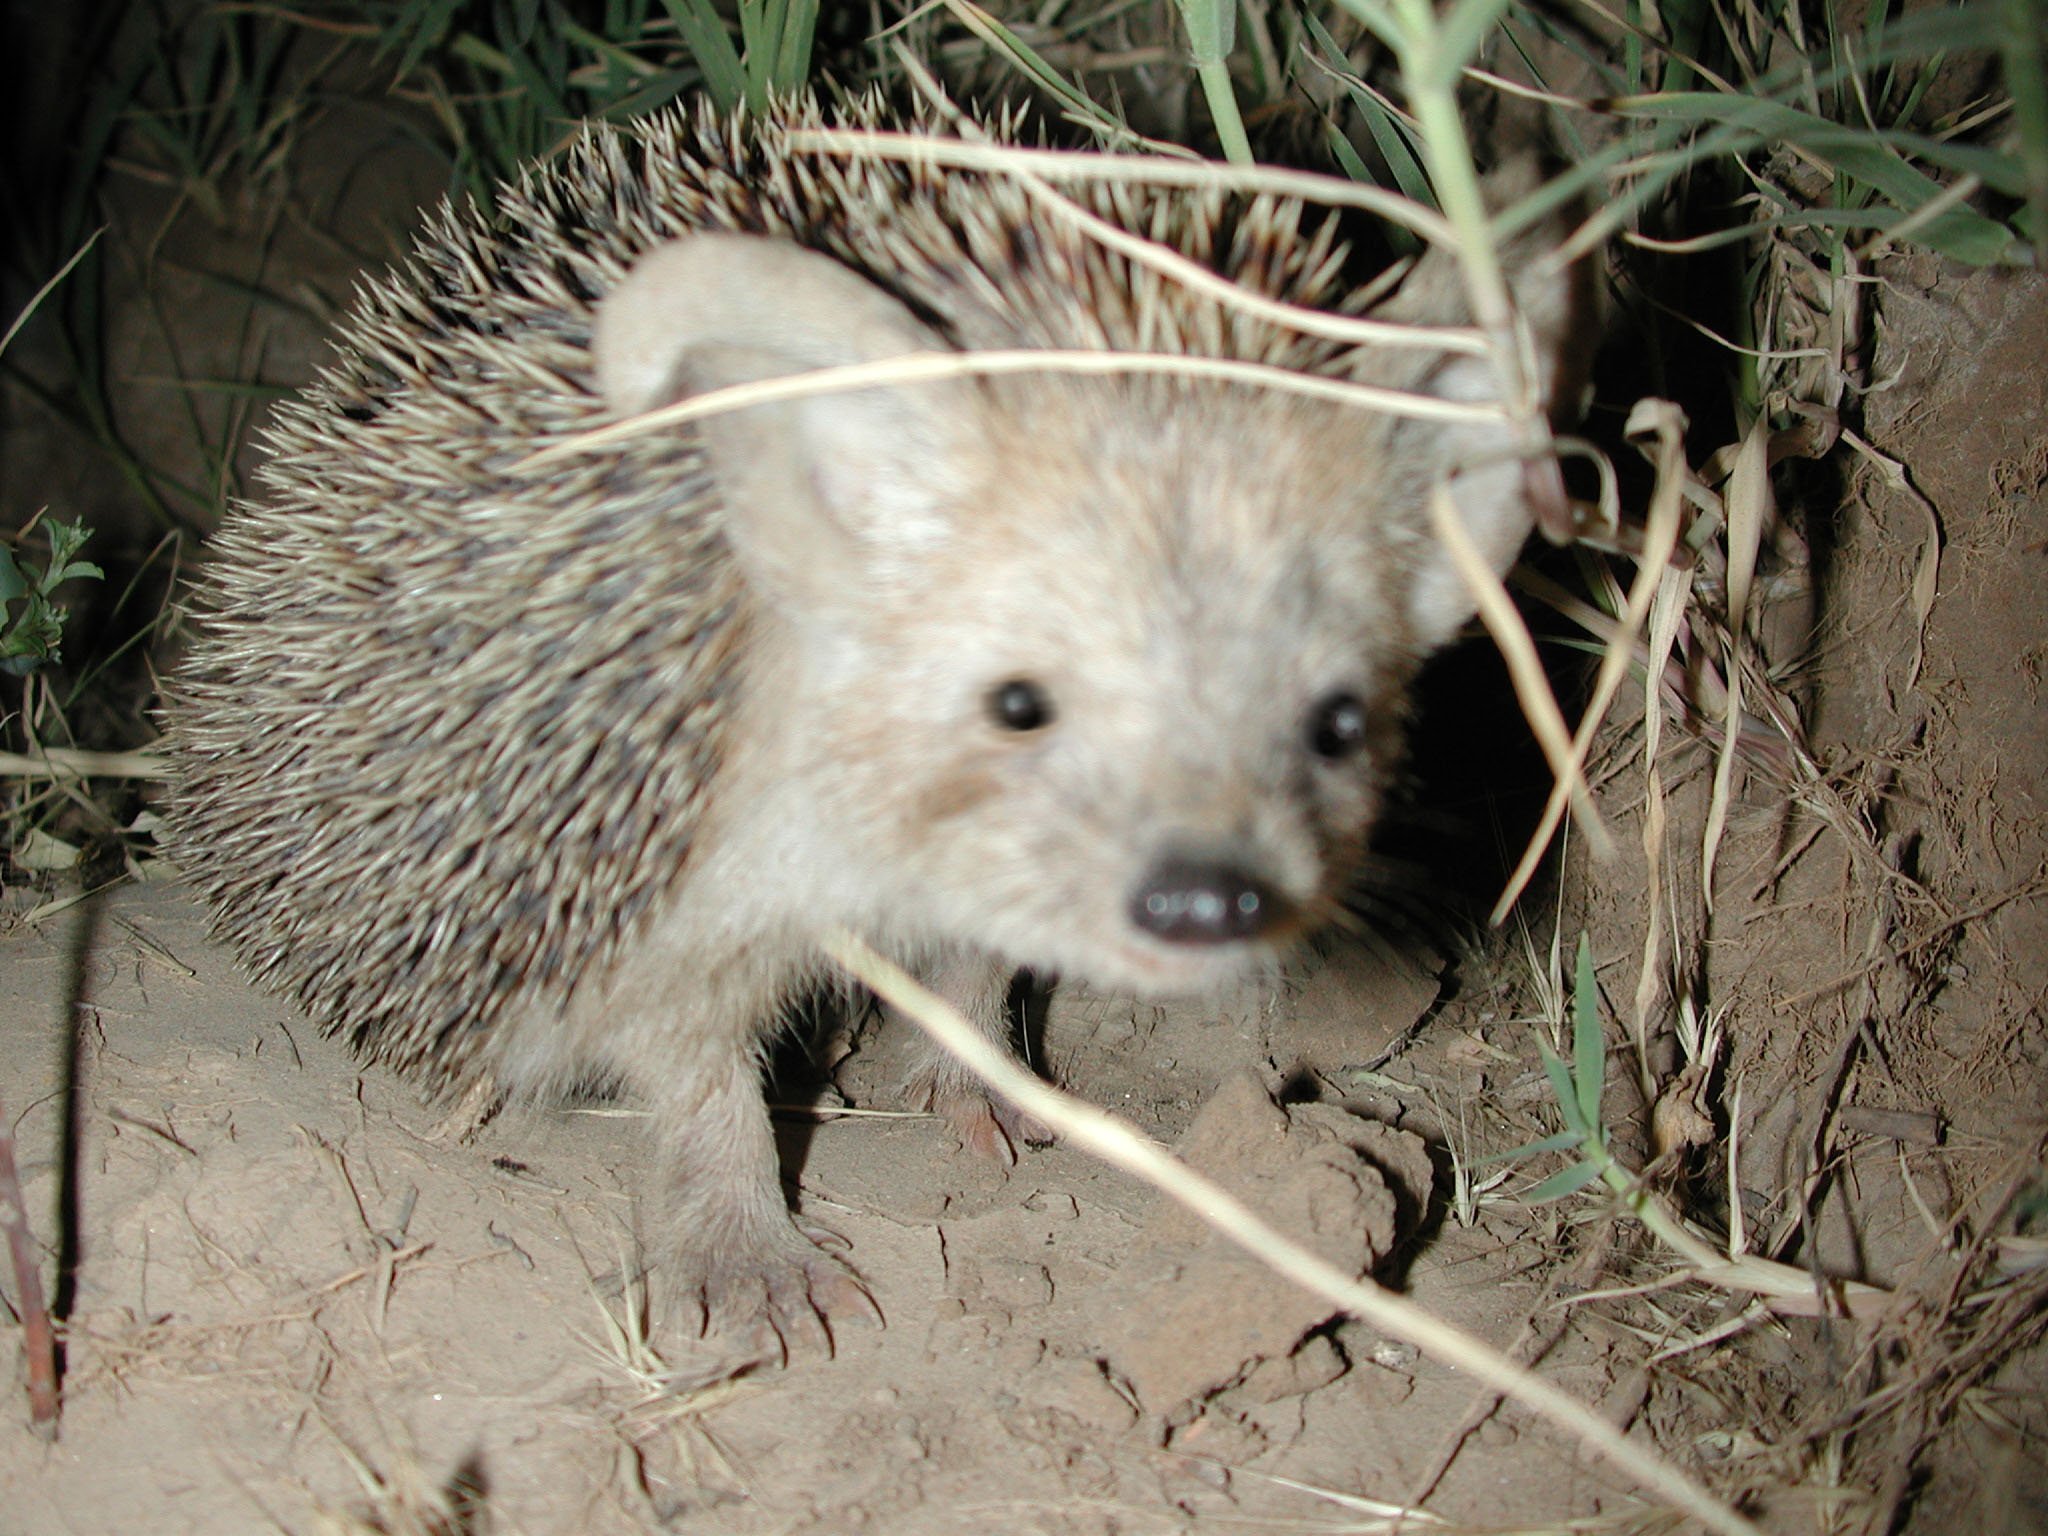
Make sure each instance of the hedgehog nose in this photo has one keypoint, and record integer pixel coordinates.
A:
(1195, 901)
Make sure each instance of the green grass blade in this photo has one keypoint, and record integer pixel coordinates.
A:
(1874, 159)
(657, 92)
(1561, 1085)
(427, 32)
(711, 46)
(2024, 55)
(1566, 1181)
(793, 49)
(43, 292)
(1212, 34)
(1075, 102)
(1562, 1141)
(1392, 135)
(1589, 1043)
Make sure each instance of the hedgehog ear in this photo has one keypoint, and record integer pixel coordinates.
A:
(1489, 484)
(821, 492)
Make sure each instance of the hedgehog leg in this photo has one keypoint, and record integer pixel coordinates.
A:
(741, 1259)
(978, 987)
(476, 1107)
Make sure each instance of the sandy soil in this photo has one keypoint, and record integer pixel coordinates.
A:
(287, 1286)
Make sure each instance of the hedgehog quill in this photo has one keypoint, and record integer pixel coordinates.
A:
(521, 769)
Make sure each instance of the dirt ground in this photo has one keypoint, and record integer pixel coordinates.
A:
(294, 1303)
(287, 1284)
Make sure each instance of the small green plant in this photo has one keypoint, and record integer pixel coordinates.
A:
(31, 624)
(1579, 1084)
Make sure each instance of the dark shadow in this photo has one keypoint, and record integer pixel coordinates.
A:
(1472, 790)
(795, 1078)
(467, 1495)
(71, 1090)
(1030, 1002)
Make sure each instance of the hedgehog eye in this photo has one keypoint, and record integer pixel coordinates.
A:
(1336, 726)
(1020, 705)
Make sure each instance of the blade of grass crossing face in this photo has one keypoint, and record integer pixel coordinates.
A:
(1560, 121)
(1560, 42)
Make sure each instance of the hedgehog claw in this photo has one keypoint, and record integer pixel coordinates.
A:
(990, 1128)
(782, 1303)
(985, 1126)
(824, 1237)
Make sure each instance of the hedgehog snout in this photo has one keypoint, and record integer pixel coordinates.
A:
(1207, 901)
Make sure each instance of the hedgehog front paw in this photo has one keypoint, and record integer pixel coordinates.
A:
(739, 1258)
(783, 1297)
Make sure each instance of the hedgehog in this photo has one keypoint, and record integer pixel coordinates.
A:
(521, 759)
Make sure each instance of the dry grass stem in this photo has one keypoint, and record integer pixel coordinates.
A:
(1199, 279)
(924, 367)
(1667, 607)
(1664, 425)
(1525, 668)
(1747, 500)
(1084, 165)
(63, 763)
(38, 1336)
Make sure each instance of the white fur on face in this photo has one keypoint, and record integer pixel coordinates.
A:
(1184, 587)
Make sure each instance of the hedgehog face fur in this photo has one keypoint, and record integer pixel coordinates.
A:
(1086, 680)
(521, 774)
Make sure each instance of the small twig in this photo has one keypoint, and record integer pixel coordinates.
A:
(38, 1338)
(64, 763)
